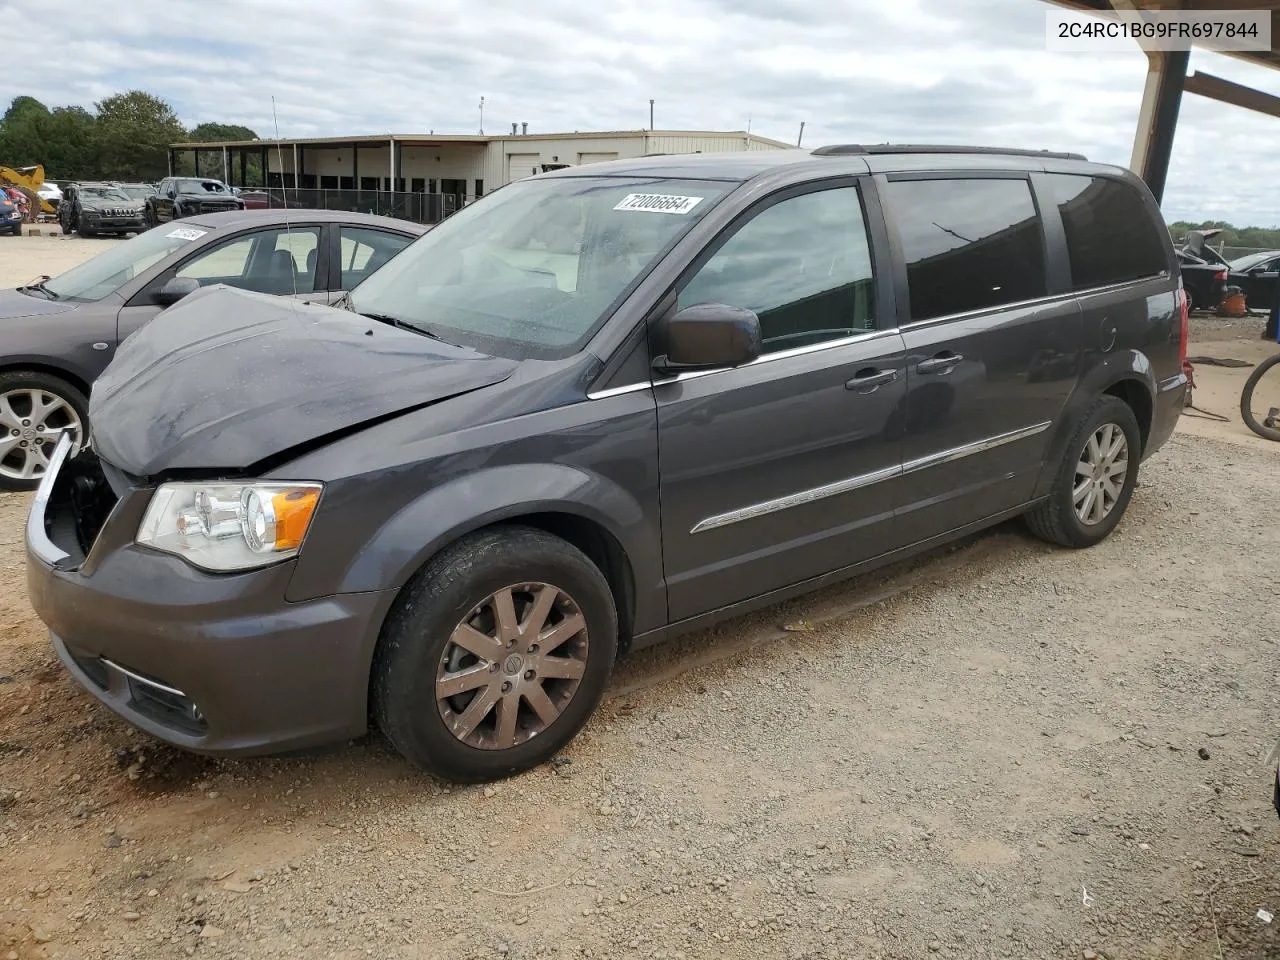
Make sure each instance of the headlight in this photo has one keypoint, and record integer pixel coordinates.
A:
(229, 526)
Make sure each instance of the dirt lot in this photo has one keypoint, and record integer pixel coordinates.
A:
(1002, 750)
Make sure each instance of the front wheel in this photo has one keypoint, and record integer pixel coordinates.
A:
(35, 410)
(494, 655)
(1260, 400)
(1095, 478)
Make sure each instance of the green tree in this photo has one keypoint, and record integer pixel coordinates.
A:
(134, 130)
(22, 133)
(213, 132)
(211, 162)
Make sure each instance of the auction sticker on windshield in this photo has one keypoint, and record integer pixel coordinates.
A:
(186, 233)
(657, 203)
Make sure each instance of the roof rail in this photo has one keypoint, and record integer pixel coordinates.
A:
(847, 149)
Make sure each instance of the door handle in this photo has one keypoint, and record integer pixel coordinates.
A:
(867, 380)
(942, 363)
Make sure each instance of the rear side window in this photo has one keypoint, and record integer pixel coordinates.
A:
(1111, 235)
(968, 244)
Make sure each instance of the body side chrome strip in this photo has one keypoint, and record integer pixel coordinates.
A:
(980, 446)
(865, 479)
(39, 541)
(143, 680)
(763, 358)
(1033, 302)
(618, 391)
(796, 499)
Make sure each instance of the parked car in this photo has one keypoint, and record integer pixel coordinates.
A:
(91, 208)
(60, 333)
(19, 199)
(10, 216)
(255, 199)
(593, 410)
(1203, 270)
(138, 191)
(51, 193)
(1256, 275)
(1205, 283)
(179, 197)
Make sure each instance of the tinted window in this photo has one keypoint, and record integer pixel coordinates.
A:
(269, 261)
(1111, 235)
(364, 251)
(968, 244)
(803, 265)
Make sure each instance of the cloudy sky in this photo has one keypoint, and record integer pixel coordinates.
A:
(962, 71)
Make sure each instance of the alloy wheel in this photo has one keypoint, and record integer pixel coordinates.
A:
(1100, 474)
(31, 421)
(512, 666)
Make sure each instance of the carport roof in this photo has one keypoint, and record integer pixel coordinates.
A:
(384, 138)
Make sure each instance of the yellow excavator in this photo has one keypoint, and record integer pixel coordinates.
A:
(28, 180)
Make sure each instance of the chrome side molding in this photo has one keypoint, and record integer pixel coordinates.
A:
(866, 479)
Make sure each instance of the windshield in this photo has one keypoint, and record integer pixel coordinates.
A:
(532, 269)
(109, 271)
(137, 193)
(104, 193)
(1251, 260)
(201, 186)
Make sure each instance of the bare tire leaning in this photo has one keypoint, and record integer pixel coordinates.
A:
(35, 410)
(494, 654)
(1095, 479)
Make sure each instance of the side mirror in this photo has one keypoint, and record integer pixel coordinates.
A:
(175, 289)
(708, 336)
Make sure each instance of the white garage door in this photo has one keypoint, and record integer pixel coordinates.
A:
(520, 165)
(597, 157)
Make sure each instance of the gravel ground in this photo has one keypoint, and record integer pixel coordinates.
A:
(1000, 750)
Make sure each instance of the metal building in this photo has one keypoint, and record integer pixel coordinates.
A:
(426, 177)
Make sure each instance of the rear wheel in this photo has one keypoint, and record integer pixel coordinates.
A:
(494, 655)
(1095, 478)
(35, 410)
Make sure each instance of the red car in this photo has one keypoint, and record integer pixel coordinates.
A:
(253, 199)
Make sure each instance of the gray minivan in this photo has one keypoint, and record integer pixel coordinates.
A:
(595, 409)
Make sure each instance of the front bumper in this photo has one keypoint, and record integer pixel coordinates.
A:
(115, 223)
(218, 664)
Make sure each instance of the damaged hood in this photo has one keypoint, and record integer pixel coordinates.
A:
(14, 304)
(226, 378)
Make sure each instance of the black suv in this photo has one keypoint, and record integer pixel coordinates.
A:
(92, 207)
(178, 197)
(595, 409)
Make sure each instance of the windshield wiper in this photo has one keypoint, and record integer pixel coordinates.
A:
(39, 287)
(405, 325)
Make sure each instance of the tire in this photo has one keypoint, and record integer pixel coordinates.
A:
(15, 386)
(1246, 400)
(148, 219)
(416, 646)
(1055, 518)
(81, 229)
